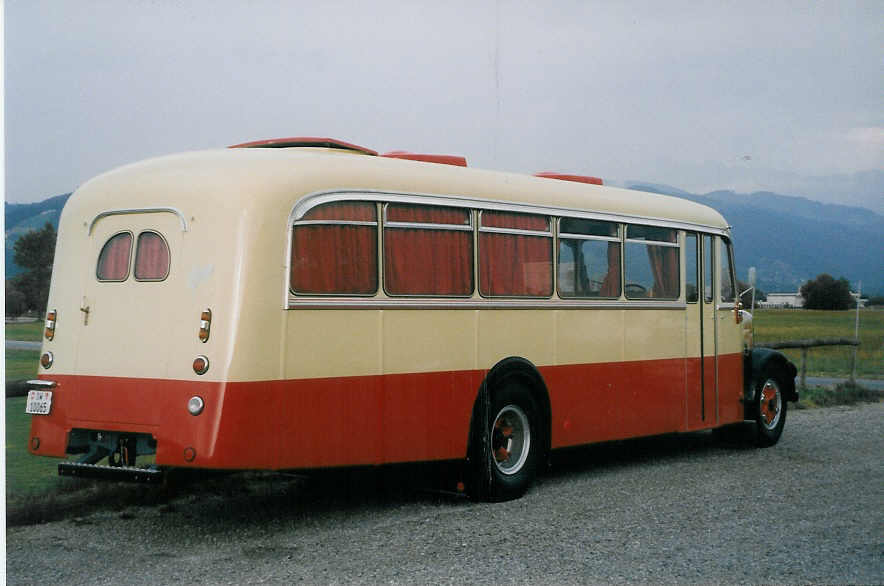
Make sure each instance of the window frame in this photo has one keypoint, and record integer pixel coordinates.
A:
(376, 224)
(397, 225)
(667, 244)
(138, 249)
(516, 232)
(572, 236)
(129, 257)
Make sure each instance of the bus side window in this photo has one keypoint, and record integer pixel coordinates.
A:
(691, 271)
(113, 260)
(428, 250)
(589, 258)
(728, 292)
(707, 268)
(652, 265)
(334, 250)
(515, 255)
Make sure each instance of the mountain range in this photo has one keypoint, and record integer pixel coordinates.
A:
(788, 239)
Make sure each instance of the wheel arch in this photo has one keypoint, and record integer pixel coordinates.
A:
(761, 358)
(507, 369)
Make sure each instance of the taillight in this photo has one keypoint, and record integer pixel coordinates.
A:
(51, 317)
(201, 364)
(205, 324)
(46, 360)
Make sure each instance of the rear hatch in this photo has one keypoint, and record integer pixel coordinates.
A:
(127, 320)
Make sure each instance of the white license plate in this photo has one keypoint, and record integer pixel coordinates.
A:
(39, 402)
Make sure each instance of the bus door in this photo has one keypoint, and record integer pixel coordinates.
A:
(700, 331)
(127, 307)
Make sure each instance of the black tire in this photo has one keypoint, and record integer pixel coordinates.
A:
(770, 406)
(506, 448)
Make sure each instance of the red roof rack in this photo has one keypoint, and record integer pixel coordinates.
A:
(303, 141)
(455, 160)
(565, 177)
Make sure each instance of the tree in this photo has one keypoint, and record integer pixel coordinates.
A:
(35, 252)
(825, 292)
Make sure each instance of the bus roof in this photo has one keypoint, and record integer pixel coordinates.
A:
(241, 178)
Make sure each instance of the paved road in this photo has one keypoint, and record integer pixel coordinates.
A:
(20, 345)
(673, 509)
(819, 381)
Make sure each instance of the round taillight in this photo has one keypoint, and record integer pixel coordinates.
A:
(196, 405)
(46, 359)
(200, 364)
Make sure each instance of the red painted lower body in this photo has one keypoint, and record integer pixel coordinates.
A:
(367, 420)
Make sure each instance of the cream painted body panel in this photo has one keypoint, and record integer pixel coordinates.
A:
(233, 258)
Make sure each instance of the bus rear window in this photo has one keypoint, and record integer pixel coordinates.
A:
(151, 258)
(515, 255)
(113, 261)
(334, 250)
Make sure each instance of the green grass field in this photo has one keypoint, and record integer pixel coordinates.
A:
(773, 325)
(21, 364)
(29, 332)
(26, 475)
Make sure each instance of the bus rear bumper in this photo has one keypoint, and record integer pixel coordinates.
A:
(148, 475)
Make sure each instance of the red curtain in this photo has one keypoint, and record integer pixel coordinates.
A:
(113, 261)
(424, 261)
(336, 259)
(152, 257)
(428, 262)
(514, 264)
(428, 214)
(664, 266)
(611, 284)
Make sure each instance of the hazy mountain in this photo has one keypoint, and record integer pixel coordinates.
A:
(789, 239)
(22, 217)
(793, 239)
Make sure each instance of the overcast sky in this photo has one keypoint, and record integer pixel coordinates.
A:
(779, 96)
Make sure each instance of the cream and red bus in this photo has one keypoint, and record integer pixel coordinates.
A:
(307, 303)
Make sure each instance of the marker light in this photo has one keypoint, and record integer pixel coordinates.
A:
(196, 405)
(200, 364)
(46, 359)
(49, 332)
(205, 324)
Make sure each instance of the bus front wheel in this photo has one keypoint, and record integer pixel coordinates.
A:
(770, 406)
(507, 449)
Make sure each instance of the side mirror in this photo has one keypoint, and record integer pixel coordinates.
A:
(752, 276)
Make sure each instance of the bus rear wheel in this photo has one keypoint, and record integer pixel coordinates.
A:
(770, 407)
(506, 450)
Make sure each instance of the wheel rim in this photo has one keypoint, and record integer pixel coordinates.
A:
(510, 439)
(770, 406)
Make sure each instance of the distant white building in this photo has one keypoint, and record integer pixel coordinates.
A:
(782, 301)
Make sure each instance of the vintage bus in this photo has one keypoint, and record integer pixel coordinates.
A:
(307, 303)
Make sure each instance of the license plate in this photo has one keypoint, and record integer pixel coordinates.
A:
(39, 402)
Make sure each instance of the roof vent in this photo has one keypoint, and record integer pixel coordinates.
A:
(455, 160)
(565, 177)
(303, 141)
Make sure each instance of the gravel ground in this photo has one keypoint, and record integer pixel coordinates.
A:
(688, 508)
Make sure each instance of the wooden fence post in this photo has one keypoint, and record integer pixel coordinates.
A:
(803, 368)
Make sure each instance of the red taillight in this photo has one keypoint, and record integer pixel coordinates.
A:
(51, 318)
(200, 364)
(205, 325)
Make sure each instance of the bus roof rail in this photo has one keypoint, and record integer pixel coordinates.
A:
(566, 177)
(455, 160)
(303, 141)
